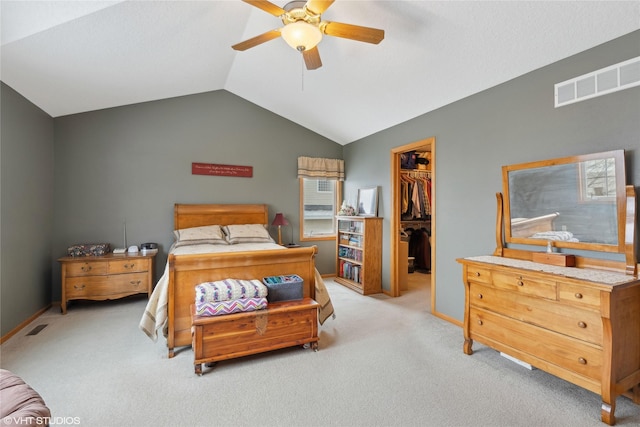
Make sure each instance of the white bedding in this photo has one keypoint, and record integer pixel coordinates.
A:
(563, 236)
(155, 313)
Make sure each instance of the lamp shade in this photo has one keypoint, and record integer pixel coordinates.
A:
(280, 220)
(301, 35)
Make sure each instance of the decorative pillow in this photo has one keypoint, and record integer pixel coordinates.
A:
(208, 234)
(247, 233)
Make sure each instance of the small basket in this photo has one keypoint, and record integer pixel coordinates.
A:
(284, 288)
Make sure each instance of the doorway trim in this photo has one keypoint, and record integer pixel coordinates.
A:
(429, 143)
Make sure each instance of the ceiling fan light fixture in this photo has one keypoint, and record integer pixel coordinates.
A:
(301, 35)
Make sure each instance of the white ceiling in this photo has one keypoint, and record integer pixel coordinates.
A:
(74, 56)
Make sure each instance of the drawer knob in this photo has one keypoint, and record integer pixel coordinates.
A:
(479, 322)
(477, 274)
(578, 295)
(581, 324)
(479, 296)
(520, 283)
(79, 287)
(582, 360)
(85, 268)
(129, 265)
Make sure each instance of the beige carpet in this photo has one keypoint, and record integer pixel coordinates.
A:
(382, 362)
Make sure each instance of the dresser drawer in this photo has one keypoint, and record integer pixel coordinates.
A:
(574, 355)
(575, 322)
(478, 274)
(581, 296)
(85, 268)
(525, 284)
(105, 286)
(128, 266)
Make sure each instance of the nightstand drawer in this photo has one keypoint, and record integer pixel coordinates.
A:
(105, 286)
(128, 266)
(88, 268)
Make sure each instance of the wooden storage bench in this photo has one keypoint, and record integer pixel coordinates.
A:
(281, 324)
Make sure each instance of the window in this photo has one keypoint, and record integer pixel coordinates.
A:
(598, 180)
(324, 186)
(320, 195)
(319, 204)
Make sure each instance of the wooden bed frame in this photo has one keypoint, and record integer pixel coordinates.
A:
(530, 226)
(186, 271)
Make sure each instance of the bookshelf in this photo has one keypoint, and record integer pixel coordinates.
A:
(359, 253)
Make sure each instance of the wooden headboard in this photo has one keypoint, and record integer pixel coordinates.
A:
(189, 215)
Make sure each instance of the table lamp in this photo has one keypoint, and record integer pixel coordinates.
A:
(280, 220)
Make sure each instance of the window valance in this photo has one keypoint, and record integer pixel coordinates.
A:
(317, 167)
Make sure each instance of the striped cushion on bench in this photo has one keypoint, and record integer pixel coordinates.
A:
(229, 289)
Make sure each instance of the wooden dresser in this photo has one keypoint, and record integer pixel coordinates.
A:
(578, 324)
(105, 277)
(572, 315)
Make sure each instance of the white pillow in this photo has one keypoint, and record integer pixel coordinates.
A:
(208, 234)
(247, 233)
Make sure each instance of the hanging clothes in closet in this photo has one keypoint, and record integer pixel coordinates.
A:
(415, 188)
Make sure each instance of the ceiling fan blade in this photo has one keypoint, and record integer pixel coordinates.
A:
(312, 58)
(353, 32)
(318, 6)
(267, 6)
(255, 41)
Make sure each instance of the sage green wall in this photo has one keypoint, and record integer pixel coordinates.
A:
(133, 163)
(511, 123)
(26, 181)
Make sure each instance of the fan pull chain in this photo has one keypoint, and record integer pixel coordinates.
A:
(301, 73)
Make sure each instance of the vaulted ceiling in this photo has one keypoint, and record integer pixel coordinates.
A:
(70, 57)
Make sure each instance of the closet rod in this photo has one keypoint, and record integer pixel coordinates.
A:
(416, 172)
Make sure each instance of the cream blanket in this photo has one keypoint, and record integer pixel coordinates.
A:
(155, 315)
(323, 298)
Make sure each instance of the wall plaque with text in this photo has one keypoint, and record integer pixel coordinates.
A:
(221, 170)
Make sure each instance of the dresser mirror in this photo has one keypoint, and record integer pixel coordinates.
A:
(573, 202)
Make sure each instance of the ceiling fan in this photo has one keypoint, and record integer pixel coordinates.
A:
(304, 27)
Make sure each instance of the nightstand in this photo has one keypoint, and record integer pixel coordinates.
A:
(106, 277)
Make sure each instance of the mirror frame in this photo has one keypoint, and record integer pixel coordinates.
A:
(621, 199)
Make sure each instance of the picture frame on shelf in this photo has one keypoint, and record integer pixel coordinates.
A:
(368, 201)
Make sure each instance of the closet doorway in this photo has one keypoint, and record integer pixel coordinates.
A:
(399, 259)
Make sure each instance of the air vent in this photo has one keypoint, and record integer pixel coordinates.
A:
(37, 329)
(601, 82)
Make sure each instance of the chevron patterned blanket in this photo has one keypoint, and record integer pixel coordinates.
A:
(229, 307)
